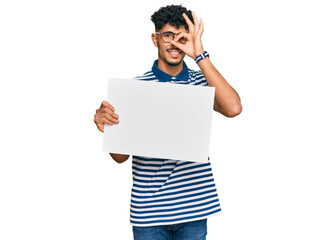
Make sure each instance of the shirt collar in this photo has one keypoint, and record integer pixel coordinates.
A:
(165, 77)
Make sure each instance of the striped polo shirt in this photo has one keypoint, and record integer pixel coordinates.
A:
(167, 191)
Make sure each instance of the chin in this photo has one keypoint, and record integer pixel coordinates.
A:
(173, 64)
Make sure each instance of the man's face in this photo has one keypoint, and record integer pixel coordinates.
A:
(168, 53)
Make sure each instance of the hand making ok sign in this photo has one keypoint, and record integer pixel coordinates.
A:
(193, 47)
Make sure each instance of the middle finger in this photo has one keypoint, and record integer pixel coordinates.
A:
(189, 23)
(110, 112)
(109, 117)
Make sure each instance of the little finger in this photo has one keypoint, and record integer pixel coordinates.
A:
(110, 118)
(189, 23)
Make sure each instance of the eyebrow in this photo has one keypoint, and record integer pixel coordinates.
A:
(171, 32)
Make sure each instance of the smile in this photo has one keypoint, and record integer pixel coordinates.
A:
(174, 52)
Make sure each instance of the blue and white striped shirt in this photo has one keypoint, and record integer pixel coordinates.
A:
(168, 191)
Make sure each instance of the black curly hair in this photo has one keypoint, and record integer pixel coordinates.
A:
(171, 14)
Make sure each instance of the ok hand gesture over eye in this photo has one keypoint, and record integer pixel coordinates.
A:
(193, 46)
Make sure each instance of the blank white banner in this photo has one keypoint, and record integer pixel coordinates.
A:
(160, 120)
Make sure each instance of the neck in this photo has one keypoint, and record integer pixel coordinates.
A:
(171, 70)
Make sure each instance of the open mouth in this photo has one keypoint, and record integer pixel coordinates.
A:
(174, 52)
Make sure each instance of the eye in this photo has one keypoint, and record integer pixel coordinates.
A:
(183, 40)
(168, 35)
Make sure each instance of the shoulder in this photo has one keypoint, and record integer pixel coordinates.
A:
(147, 76)
(197, 78)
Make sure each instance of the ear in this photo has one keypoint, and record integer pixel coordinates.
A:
(155, 39)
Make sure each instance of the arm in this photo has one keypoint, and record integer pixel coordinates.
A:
(227, 101)
(119, 158)
(106, 114)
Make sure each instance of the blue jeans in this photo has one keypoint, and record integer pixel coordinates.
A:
(196, 230)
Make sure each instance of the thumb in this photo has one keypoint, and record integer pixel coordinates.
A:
(178, 45)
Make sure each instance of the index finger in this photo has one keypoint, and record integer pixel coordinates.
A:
(181, 35)
(107, 105)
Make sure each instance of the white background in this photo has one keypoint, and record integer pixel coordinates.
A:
(274, 165)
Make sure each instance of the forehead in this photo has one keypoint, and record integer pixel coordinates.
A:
(170, 28)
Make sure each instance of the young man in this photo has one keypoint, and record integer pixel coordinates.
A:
(172, 199)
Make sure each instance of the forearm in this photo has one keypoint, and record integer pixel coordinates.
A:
(119, 158)
(227, 101)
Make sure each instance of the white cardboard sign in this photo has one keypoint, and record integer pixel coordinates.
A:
(160, 120)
